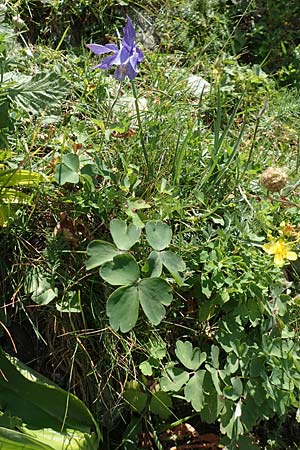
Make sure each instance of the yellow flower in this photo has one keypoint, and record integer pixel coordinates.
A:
(281, 252)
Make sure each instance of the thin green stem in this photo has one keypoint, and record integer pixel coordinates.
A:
(141, 134)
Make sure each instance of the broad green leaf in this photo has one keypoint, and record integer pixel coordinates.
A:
(124, 236)
(194, 391)
(147, 366)
(122, 308)
(232, 364)
(44, 294)
(15, 178)
(212, 408)
(161, 404)
(122, 270)
(41, 404)
(215, 378)
(8, 195)
(158, 235)
(154, 294)
(153, 265)
(234, 391)
(14, 440)
(57, 440)
(37, 283)
(100, 252)
(123, 304)
(173, 379)
(38, 92)
(175, 264)
(214, 403)
(68, 170)
(136, 399)
(190, 357)
(250, 413)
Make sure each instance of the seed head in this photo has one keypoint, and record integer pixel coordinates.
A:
(274, 179)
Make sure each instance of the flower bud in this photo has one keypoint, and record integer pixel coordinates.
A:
(274, 179)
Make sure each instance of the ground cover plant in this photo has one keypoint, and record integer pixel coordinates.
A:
(149, 235)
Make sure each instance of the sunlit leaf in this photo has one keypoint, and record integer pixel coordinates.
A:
(122, 308)
(37, 92)
(154, 294)
(194, 391)
(158, 235)
(100, 252)
(122, 270)
(190, 357)
(124, 236)
(173, 379)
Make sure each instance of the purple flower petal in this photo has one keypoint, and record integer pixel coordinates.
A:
(109, 61)
(140, 55)
(129, 33)
(131, 71)
(133, 60)
(101, 49)
(120, 72)
(124, 55)
(126, 58)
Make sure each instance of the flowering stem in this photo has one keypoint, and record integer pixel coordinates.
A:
(141, 134)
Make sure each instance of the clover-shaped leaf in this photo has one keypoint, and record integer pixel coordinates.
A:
(174, 263)
(122, 270)
(190, 357)
(158, 234)
(234, 391)
(173, 379)
(122, 308)
(194, 391)
(40, 286)
(154, 293)
(123, 304)
(100, 252)
(68, 170)
(171, 261)
(124, 236)
(153, 266)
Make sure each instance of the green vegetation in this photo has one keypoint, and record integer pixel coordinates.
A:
(149, 228)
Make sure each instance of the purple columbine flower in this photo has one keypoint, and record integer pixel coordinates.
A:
(126, 58)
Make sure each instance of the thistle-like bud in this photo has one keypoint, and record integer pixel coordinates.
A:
(274, 179)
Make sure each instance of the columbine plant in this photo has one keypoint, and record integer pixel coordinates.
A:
(126, 58)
